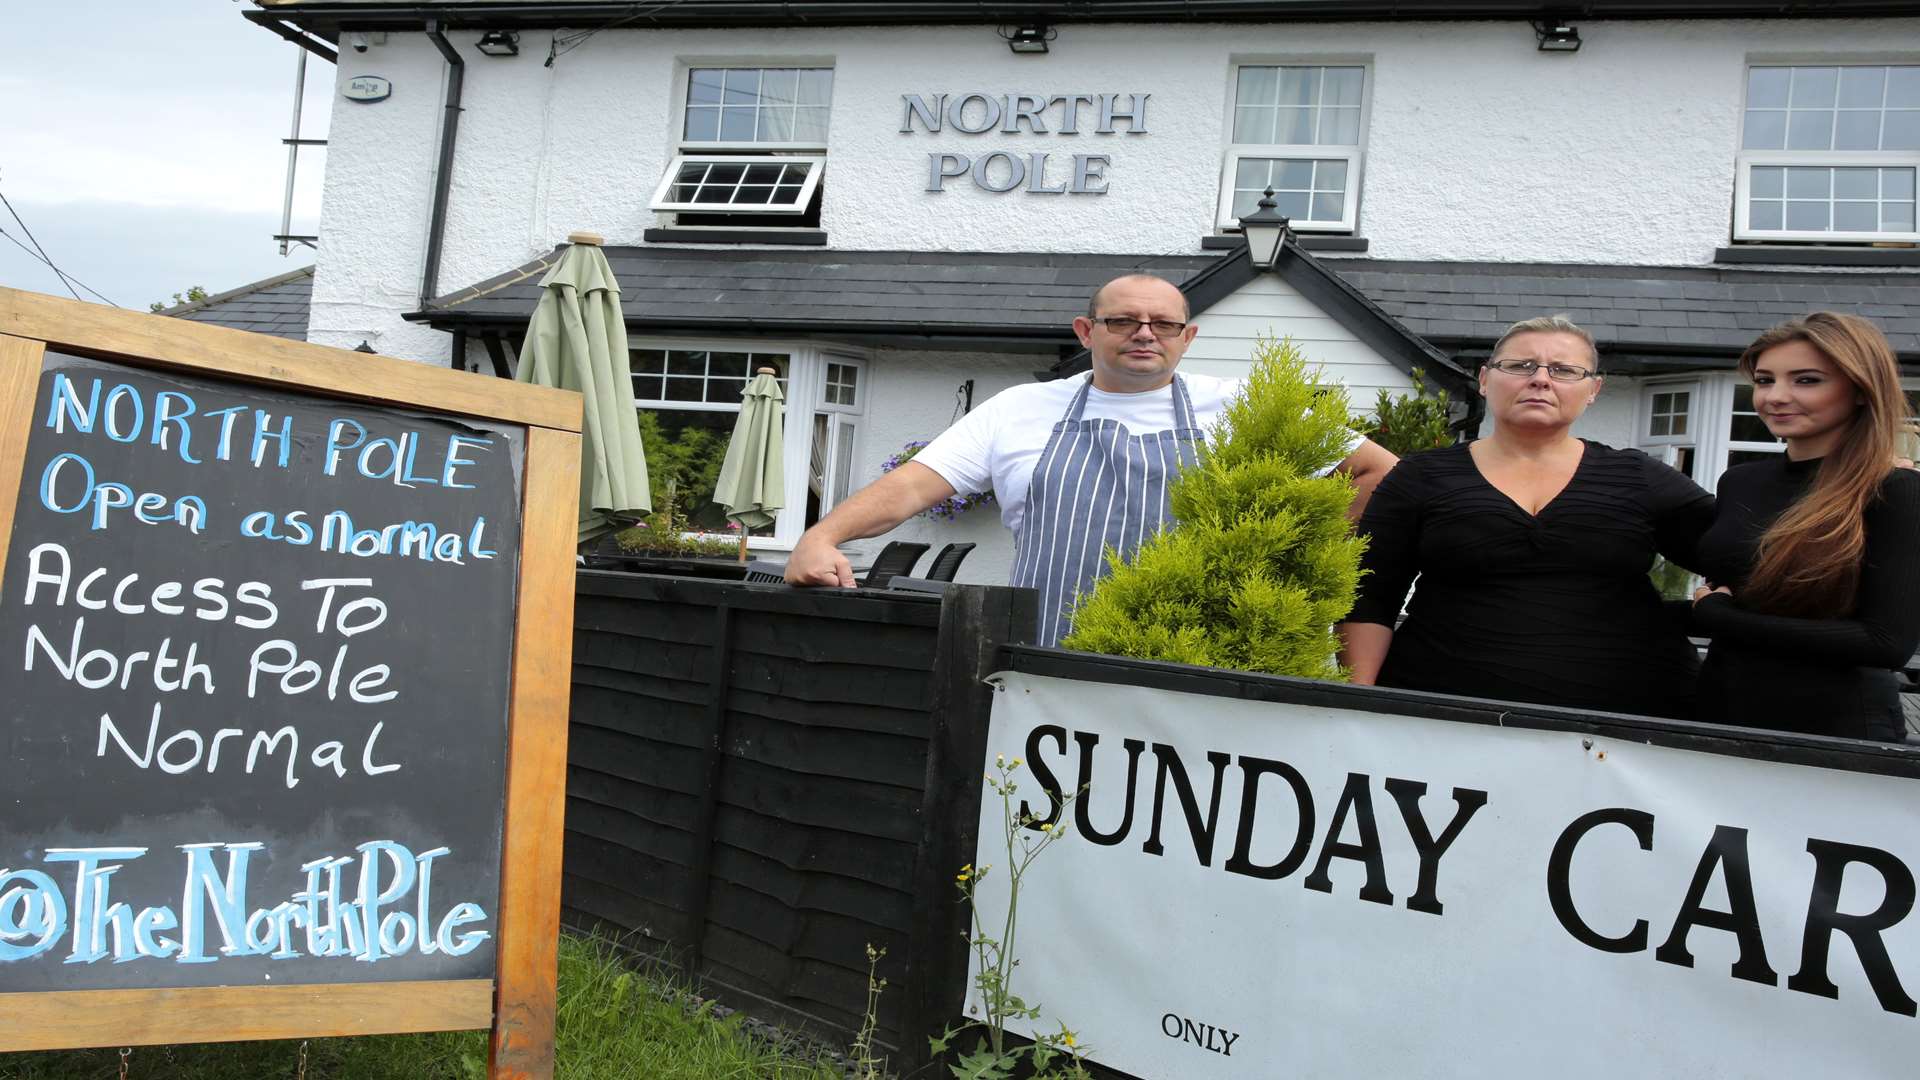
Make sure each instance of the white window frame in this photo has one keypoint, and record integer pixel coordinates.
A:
(664, 203)
(1354, 156)
(1645, 436)
(838, 416)
(1747, 160)
(806, 393)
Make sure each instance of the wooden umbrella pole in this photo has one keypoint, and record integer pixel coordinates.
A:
(743, 545)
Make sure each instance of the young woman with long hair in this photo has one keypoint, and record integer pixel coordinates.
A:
(1813, 558)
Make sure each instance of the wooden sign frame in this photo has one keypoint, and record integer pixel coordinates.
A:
(518, 1002)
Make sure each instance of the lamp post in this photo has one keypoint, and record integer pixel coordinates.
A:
(1266, 230)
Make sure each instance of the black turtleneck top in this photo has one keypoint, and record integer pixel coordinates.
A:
(1831, 676)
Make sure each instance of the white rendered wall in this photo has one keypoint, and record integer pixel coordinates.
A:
(1478, 146)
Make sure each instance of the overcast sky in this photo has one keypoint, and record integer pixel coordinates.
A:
(140, 142)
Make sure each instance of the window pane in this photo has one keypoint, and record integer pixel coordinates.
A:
(703, 86)
(777, 86)
(1764, 214)
(1326, 208)
(1742, 397)
(1896, 216)
(1769, 182)
(684, 389)
(1340, 127)
(1294, 127)
(1299, 86)
(1251, 173)
(1292, 204)
(776, 125)
(742, 86)
(1293, 176)
(763, 174)
(1748, 428)
(725, 391)
(1253, 125)
(1766, 130)
(816, 86)
(1896, 183)
(1680, 423)
(1807, 215)
(1660, 425)
(1342, 86)
(703, 123)
(736, 124)
(1856, 216)
(1857, 130)
(1244, 203)
(1767, 86)
(1903, 87)
(1809, 130)
(1257, 86)
(1856, 183)
(725, 173)
(1861, 87)
(1813, 87)
(1809, 183)
(842, 462)
(683, 362)
(732, 365)
(646, 387)
(650, 361)
(1902, 130)
(810, 124)
(1330, 176)
(754, 195)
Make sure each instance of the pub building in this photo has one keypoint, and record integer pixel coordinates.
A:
(900, 208)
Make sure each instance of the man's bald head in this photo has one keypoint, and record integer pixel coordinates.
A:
(1093, 302)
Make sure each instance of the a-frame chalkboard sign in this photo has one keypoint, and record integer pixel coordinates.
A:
(285, 634)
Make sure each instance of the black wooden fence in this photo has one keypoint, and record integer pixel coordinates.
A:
(763, 781)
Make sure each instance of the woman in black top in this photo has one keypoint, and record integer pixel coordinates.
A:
(1532, 548)
(1813, 561)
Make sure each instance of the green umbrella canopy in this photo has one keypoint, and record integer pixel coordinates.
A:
(753, 479)
(577, 340)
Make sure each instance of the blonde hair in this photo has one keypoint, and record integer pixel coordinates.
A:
(1550, 324)
(1808, 560)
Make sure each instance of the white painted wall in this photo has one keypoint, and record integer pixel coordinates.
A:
(1269, 307)
(1478, 146)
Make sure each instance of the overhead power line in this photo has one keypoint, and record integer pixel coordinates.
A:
(64, 277)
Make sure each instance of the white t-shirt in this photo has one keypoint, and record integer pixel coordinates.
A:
(995, 447)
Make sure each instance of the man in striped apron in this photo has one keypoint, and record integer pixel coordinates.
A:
(1077, 466)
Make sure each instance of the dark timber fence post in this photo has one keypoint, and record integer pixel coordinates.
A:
(715, 758)
(975, 621)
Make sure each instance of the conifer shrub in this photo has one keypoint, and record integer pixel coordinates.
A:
(1262, 562)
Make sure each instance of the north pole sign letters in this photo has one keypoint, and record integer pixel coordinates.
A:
(1036, 173)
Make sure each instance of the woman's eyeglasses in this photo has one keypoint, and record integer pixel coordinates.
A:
(1556, 372)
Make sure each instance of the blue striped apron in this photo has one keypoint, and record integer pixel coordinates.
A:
(1095, 487)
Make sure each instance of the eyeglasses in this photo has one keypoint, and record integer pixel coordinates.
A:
(1556, 372)
(1125, 327)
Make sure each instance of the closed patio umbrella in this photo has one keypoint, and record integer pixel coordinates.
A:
(577, 340)
(753, 478)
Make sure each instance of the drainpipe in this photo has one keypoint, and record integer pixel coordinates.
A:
(443, 176)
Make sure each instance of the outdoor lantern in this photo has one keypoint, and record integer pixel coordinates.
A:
(1556, 35)
(1265, 228)
(1029, 39)
(499, 43)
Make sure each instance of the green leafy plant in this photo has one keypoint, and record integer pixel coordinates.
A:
(194, 295)
(1263, 562)
(863, 1060)
(665, 532)
(1408, 423)
(1054, 1055)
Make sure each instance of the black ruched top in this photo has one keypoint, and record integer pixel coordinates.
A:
(1825, 676)
(1554, 608)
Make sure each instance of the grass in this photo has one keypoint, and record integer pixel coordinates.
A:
(614, 1024)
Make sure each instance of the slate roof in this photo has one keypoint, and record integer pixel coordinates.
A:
(899, 296)
(277, 306)
(1645, 311)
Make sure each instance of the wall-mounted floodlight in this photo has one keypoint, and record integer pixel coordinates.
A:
(1032, 38)
(1557, 35)
(499, 43)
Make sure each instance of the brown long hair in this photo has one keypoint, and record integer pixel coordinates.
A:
(1808, 562)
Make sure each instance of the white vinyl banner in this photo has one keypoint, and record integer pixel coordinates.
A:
(1255, 889)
